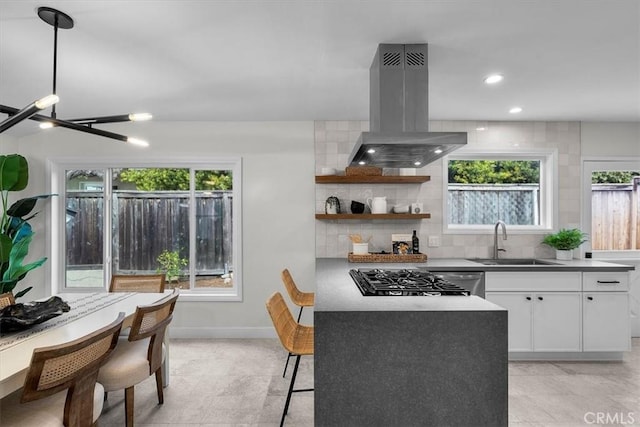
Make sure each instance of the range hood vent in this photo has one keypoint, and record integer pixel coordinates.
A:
(399, 134)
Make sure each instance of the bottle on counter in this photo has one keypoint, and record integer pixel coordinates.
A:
(415, 243)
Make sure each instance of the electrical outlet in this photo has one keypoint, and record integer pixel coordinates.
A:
(434, 241)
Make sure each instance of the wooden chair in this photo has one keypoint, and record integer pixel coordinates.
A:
(60, 387)
(141, 353)
(137, 283)
(299, 298)
(297, 339)
(6, 300)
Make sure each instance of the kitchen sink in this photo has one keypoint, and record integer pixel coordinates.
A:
(512, 261)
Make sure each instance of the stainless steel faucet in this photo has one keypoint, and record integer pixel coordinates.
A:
(495, 238)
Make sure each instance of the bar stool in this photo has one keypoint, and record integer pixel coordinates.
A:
(297, 339)
(299, 298)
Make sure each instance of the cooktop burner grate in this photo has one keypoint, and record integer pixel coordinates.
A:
(377, 282)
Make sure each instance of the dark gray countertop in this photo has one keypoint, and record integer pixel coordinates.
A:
(336, 291)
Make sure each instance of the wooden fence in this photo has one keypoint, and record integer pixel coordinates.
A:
(147, 223)
(486, 204)
(615, 216)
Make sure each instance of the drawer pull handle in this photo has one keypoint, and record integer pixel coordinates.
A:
(540, 298)
(609, 282)
(590, 298)
(528, 298)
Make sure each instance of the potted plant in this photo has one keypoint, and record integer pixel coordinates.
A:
(15, 232)
(565, 241)
(171, 264)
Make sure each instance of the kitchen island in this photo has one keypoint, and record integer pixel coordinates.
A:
(406, 360)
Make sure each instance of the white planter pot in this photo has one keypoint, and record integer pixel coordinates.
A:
(564, 255)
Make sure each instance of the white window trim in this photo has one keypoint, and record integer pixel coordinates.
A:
(548, 189)
(589, 165)
(55, 221)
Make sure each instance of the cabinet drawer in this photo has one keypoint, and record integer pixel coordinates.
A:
(605, 281)
(566, 281)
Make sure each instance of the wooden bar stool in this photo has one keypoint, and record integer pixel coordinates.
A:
(299, 298)
(297, 339)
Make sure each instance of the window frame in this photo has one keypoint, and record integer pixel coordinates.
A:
(590, 165)
(548, 189)
(57, 219)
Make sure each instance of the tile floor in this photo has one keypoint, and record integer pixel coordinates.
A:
(239, 382)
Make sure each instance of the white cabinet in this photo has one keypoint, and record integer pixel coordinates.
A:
(568, 311)
(556, 321)
(541, 321)
(606, 315)
(518, 305)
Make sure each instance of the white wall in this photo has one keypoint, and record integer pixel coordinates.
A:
(610, 139)
(334, 141)
(278, 200)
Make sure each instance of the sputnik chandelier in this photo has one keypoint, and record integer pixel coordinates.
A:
(58, 20)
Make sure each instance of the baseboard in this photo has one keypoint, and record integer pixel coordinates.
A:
(222, 332)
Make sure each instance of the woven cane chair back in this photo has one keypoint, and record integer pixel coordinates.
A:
(152, 321)
(137, 283)
(6, 300)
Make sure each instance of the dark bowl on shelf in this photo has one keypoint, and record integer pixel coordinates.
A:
(357, 207)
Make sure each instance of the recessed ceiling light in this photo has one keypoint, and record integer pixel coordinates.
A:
(362, 163)
(45, 125)
(481, 128)
(417, 163)
(371, 151)
(493, 79)
(515, 110)
(437, 151)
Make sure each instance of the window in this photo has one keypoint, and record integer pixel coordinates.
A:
(482, 188)
(179, 219)
(612, 207)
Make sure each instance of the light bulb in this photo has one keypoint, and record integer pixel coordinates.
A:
(493, 79)
(515, 110)
(140, 117)
(136, 141)
(437, 151)
(47, 101)
(45, 125)
(362, 163)
(417, 163)
(371, 151)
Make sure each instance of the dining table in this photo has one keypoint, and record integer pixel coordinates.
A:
(88, 313)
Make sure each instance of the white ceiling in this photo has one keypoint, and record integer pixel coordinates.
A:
(305, 60)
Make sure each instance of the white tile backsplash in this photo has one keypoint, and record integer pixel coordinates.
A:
(336, 139)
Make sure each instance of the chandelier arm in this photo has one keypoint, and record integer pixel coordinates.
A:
(66, 124)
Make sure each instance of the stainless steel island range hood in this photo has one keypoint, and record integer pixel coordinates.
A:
(399, 134)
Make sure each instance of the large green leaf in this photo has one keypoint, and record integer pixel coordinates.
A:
(23, 207)
(16, 257)
(5, 247)
(14, 172)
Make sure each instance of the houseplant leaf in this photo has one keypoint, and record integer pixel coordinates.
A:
(5, 247)
(14, 172)
(23, 207)
(19, 251)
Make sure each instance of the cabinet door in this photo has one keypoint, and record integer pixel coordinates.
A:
(557, 321)
(518, 304)
(606, 321)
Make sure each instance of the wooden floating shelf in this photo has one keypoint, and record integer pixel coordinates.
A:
(374, 216)
(372, 179)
